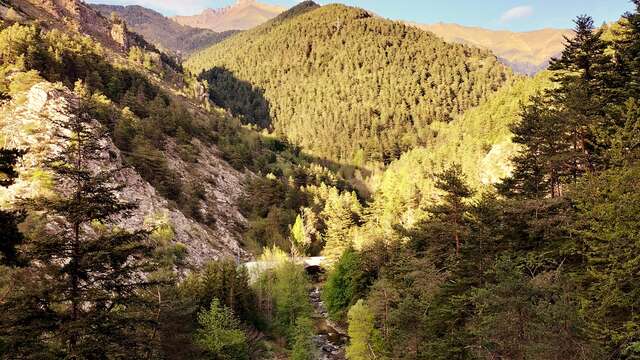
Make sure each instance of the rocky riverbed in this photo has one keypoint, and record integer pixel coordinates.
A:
(330, 339)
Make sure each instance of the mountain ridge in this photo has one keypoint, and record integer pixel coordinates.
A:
(526, 52)
(242, 15)
(162, 31)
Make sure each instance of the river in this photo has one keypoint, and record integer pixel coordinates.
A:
(330, 339)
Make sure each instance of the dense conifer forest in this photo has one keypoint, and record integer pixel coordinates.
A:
(462, 212)
(345, 85)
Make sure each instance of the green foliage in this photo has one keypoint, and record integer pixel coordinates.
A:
(273, 204)
(303, 346)
(479, 140)
(542, 312)
(365, 339)
(151, 61)
(282, 294)
(82, 289)
(343, 284)
(290, 294)
(341, 213)
(220, 334)
(223, 280)
(607, 221)
(11, 237)
(341, 82)
(21, 82)
(152, 166)
(299, 239)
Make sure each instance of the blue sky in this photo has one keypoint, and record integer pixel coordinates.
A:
(516, 15)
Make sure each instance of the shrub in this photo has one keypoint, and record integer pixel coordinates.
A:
(220, 334)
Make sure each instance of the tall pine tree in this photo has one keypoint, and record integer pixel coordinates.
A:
(558, 129)
(80, 295)
(10, 237)
(444, 232)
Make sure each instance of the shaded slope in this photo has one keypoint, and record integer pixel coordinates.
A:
(348, 86)
(479, 141)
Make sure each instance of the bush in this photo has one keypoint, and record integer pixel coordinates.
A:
(220, 334)
(22, 82)
(303, 347)
(341, 287)
(291, 299)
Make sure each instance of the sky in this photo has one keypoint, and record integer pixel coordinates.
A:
(515, 15)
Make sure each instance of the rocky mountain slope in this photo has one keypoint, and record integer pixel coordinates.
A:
(243, 15)
(525, 52)
(73, 15)
(31, 126)
(211, 225)
(162, 31)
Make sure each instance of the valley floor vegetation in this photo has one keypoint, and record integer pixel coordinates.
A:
(434, 264)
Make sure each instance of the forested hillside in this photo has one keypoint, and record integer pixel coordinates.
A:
(541, 266)
(479, 141)
(120, 206)
(139, 219)
(345, 85)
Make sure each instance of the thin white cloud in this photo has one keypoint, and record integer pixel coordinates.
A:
(516, 13)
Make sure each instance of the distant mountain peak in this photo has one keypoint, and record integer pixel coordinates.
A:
(242, 15)
(162, 31)
(525, 52)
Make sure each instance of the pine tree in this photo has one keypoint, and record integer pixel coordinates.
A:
(628, 48)
(365, 339)
(10, 237)
(443, 233)
(339, 218)
(303, 347)
(584, 54)
(538, 168)
(623, 131)
(608, 221)
(80, 296)
(220, 333)
(583, 73)
(559, 129)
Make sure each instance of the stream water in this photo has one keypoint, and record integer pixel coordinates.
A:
(330, 339)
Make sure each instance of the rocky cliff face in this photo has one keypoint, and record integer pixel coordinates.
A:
(29, 126)
(76, 16)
